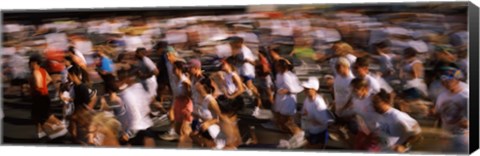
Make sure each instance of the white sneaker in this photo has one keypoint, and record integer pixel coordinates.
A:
(333, 136)
(170, 135)
(283, 144)
(299, 144)
(256, 112)
(161, 121)
(298, 140)
(58, 134)
(41, 134)
(298, 137)
(57, 126)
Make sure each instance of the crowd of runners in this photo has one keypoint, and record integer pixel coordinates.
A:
(197, 74)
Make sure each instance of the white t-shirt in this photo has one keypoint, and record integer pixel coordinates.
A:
(373, 83)
(364, 109)
(247, 68)
(230, 82)
(396, 127)
(203, 109)
(83, 47)
(80, 55)
(134, 99)
(342, 92)
(383, 84)
(133, 42)
(179, 87)
(286, 104)
(452, 108)
(317, 114)
(149, 63)
(436, 88)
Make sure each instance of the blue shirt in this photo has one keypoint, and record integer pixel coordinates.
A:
(107, 65)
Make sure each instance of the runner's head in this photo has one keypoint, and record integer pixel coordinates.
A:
(311, 87)
(160, 47)
(381, 47)
(195, 67)
(409, 53)
(105, 123)
(343, 66)
(381, 101)
(227, 64)
(34, 62)
(75, 74)
(450, 77)
(235, 42)
(179, 67)
(140, 52)
(71, 50)
(342, 49)
(205, 86)
(359, 87)
(283, 65)
(361, 66)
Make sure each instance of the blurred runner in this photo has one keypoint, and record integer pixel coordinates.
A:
(451, 107)
(105, 70)
(412, 71)
(285, 106)
(317, 116)
(397, 128)
(45, 122)
(362, 70)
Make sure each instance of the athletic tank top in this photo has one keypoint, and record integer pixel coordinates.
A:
(180, 90)
(408, 69)
(231, 88)
(203, 110)
(44, 89)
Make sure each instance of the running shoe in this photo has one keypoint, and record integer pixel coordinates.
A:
(58, 133)
(41, 134)
(171, 135)
(333, 136)
(298, 140)
(161, 121)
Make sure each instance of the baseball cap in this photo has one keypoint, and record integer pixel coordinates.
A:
(312, 83)
(449, 73)
(194, 63)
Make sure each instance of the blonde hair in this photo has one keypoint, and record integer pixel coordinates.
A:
(108, 121)
(343, 62)
(343, 48)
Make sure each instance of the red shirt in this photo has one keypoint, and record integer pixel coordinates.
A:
(55, 60)
(44, 89)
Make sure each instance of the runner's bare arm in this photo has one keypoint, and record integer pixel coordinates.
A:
(38, 79)
(239, 85)
(417, 70)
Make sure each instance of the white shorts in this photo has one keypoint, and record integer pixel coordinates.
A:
(152, 86)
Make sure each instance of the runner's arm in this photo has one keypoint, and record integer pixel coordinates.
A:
(239, 85)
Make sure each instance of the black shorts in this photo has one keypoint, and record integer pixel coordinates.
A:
(230, 105)
(40, 109)
(196, 127)
(109, 83)
(320, 138)
(245, 79)
(138, 140)
(55, 73)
